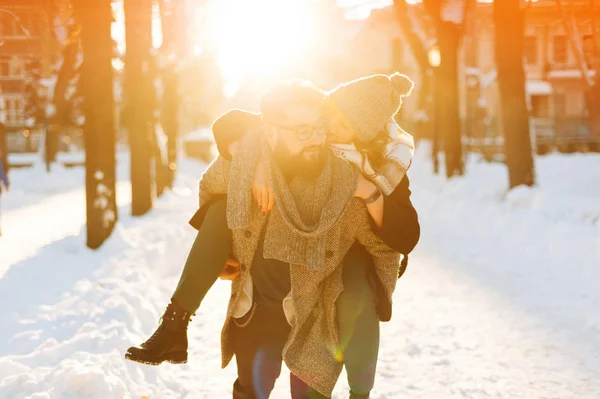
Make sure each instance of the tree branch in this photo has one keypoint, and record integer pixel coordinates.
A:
(572, 34)
(415, 43)
(595, 33)
(18, 21)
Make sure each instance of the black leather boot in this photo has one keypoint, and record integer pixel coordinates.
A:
(169, 342)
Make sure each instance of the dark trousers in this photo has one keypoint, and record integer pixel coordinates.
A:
(358, 321)
(206, 259)
(258, 341)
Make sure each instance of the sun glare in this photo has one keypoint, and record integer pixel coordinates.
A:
(257, 39)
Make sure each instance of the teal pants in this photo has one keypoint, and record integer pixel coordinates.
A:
(358, 323)
(357, 316)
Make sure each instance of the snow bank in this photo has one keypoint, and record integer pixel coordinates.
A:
(70, 312)
(42, 208)
(500, 299)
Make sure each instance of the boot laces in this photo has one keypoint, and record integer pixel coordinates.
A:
(155, 337)
(171, 315)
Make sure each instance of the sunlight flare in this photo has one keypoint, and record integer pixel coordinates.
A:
(259, 38)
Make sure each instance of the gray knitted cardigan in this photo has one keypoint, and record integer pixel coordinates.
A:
(312, 350)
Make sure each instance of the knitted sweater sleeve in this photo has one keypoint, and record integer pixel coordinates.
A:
(214, 181)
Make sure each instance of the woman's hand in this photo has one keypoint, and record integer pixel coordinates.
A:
(261, 189)
(365, 189)
(231, 270)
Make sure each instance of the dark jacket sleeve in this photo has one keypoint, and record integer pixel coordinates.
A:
(400, 229)
(231, 127)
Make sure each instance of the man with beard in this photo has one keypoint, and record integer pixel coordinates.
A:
(283, 305)
(284, 298)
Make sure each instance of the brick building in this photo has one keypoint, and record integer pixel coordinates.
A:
(26, 38)
(554, 84)
(555, 88)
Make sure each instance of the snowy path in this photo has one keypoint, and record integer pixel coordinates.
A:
(500, 300)
(42, 208)
(53, 218)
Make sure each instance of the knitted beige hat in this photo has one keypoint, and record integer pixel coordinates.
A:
(370, 102)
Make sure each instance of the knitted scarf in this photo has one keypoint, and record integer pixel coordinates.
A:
(307, 211)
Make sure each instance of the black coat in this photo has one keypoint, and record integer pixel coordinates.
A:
(400, 229)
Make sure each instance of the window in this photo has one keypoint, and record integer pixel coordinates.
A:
(539, 106)
(588, 49)
(15, 110)
(560, 49)
(14, 67)
(530, 50)
(4, 66)
(11, 67)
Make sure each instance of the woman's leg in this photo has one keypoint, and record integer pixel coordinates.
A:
(202, 268)
(206, 258)
(358, 323)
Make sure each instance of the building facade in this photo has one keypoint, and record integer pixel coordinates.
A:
(25, 42)
(28, 52)
(554, 84)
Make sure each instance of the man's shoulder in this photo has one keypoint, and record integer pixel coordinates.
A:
(219, 165)
(356, 213)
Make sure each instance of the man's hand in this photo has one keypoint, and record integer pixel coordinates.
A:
(261, 189)
(365, 188)
(231, 271)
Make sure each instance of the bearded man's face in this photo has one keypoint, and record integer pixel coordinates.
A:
(299, 140)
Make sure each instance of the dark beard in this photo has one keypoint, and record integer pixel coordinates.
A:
(297, 165)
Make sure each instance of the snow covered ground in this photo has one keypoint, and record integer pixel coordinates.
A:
(500, 300)
(42, 208)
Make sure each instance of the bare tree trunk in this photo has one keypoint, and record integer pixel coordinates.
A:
(4, 147)
(436, 123)
(170, 120)
(95, 18)
(449, 35)
(66, 72)
(592, 96)
(509, 23)
(417, 47)
(170, 101)
(574, 41)
(449, 31)
(427, 101)
(161, 170)
(138, 92)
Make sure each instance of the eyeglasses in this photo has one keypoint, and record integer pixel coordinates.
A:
(305, 132)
